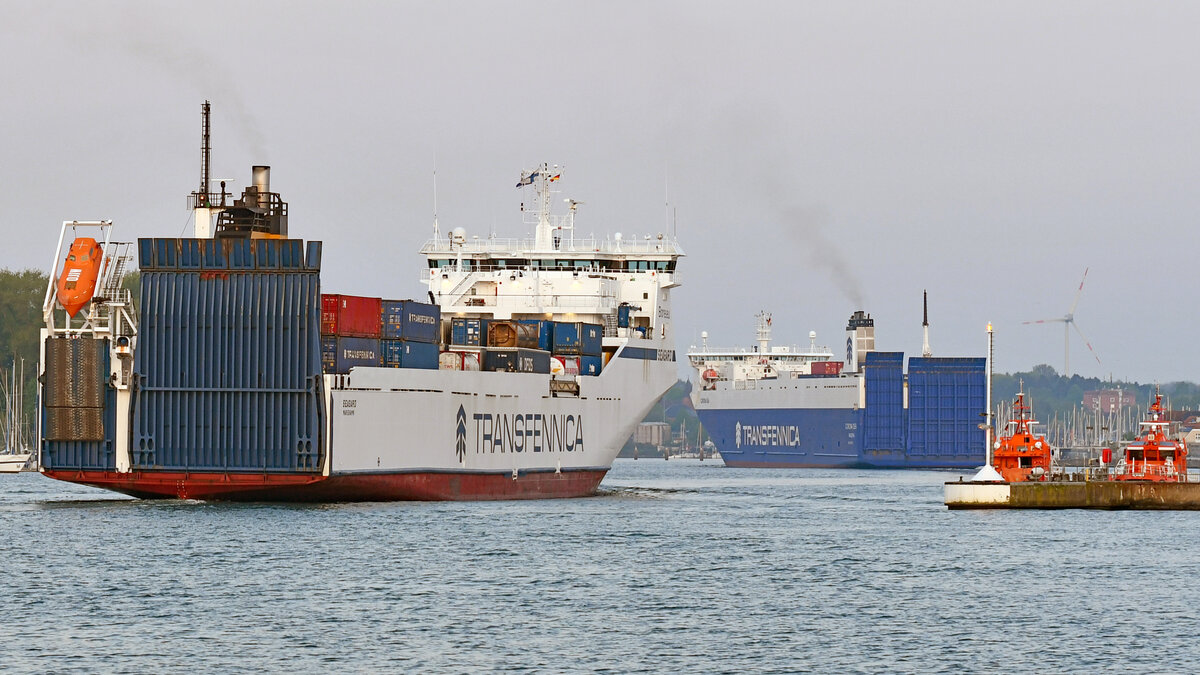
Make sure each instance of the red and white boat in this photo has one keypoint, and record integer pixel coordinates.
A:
(1018, 453)
(1154, 455)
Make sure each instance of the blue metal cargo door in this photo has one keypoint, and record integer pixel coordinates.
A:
(227, 370)
(946, 403)
(883, 418)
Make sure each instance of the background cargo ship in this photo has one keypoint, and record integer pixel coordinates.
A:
(238, 379)
(778, 406)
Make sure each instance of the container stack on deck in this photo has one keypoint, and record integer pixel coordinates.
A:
(358, 331)
(525, 346)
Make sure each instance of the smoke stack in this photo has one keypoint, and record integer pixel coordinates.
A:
(860, 339)
(262, 184)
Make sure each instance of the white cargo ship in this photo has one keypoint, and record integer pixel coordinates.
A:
(215, 389)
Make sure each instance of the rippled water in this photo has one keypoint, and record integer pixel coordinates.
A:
(678, 566)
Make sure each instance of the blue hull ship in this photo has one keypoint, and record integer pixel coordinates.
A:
(777, 406)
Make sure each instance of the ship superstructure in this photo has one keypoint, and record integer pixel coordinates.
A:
(218, 388)
(775, 406)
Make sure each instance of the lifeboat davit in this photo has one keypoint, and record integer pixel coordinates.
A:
(77, 283)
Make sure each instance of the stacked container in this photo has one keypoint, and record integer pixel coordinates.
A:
(467, 337)
(410, 334)
(536, 334)
(516, 360)
(350, 332)
(350, 316)
(410, 354)
(466, 332)
(583, 342)
(525, 345)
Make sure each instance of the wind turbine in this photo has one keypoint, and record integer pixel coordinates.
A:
(1068, 321)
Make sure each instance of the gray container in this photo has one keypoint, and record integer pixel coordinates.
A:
(500, 359)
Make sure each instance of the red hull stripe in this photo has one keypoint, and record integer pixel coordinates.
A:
(356, 487)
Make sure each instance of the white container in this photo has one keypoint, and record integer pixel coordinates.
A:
(564, 365)
(450, 361)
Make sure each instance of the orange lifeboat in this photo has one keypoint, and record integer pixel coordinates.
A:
(1019, 454)
(77, 283)
(1152, 455)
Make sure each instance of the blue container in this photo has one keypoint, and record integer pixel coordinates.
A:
(590, 365)
(353, 352)
(328, 354)
(623, 315)
(566, 338)
(591, 339)
(466, 332)
(410, 354)
(541, 337)
(411, 320)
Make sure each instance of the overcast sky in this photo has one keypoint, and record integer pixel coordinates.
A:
(821, 157)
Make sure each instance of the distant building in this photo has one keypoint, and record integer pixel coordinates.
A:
(1109, 400)
(652, 433)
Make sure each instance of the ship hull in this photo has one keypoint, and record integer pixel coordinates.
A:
(828, 438)
(409, 434)
(880, 418)
(407, 486)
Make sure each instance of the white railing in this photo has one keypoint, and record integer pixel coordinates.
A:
(528, 247)
(590, 303)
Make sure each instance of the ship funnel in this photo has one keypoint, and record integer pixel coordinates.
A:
(262, 183)
(860, 339)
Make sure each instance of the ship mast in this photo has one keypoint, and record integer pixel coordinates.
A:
(925, 350)
(202, 198)
(763, 330)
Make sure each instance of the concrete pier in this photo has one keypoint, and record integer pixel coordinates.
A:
(1099, 494)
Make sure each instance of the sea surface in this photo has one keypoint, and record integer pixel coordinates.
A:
(677, 566)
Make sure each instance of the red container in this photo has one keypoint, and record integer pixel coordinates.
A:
(826, 367)
(351, 316)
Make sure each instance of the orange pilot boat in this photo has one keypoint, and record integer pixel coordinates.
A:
(77, 282)
(1153, 456)
(1019, 454)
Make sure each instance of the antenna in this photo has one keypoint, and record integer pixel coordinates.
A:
(436, 231)
(666, 196)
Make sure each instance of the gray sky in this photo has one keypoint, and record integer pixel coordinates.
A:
(819, 155)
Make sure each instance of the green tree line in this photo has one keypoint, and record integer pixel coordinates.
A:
(22, 293)
(1054, 394)
(21, 296)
